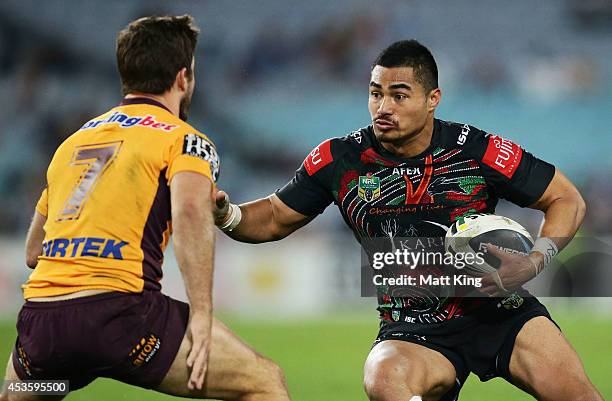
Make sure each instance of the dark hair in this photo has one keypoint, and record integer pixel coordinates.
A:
(410, 53)
(152, 50)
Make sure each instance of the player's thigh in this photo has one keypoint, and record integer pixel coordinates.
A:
(11, 375)
(234, 370)
(544, 364)
(398, 370)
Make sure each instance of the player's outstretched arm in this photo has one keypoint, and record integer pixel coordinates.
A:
(262, 220)
(193, 233)
(34, 240)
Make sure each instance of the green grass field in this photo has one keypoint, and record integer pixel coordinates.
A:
(323, 359)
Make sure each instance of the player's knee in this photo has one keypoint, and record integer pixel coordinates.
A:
(270, 377)
(385, 379)
(378, 389)
(275, 374)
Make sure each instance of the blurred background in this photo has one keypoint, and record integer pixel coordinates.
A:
(274, 79)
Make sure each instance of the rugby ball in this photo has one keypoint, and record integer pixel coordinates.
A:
(470, 234)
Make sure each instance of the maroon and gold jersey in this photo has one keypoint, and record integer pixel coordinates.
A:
(107, 200)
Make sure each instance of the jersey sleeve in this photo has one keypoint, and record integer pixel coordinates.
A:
(513, 173)
(193, 152)
(42, 204)
(309, 191)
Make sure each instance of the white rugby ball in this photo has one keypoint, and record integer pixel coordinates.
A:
(470, 234)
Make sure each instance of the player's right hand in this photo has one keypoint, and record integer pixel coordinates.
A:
(220, 206)
(200, 327)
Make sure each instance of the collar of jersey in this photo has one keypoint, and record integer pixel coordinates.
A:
(417, 158)
(142, 100)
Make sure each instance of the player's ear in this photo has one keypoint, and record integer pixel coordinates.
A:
(433, 99)
(182, 81)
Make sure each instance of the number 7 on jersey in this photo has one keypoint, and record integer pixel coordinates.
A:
(96, 159)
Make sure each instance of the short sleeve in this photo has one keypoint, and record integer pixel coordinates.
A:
(42, 204)
(513, 173)
(193, 152)
(309, 191)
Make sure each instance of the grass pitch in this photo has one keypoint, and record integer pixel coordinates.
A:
(323, 358)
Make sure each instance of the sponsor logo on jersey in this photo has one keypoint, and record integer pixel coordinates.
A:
(197, 146)
(465, 130)
(24, 360)
(409, 335)
(406, 171)
(82, 247)
(320, 157)
(126, 121)
(369, 187)
(503, 155)
(146, 349)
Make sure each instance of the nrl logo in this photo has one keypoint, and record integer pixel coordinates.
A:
(369, 187)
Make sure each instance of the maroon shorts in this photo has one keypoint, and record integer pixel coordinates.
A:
(132, 338)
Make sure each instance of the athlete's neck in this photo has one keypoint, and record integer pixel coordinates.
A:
(414, 144)
(169, 101)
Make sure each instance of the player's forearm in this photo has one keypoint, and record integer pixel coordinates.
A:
(194, 242)
(34, 240)
(563, 217)
(257, 224)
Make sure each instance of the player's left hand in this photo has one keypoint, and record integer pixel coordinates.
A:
(514, 271)
(199, 331)
(221, 206)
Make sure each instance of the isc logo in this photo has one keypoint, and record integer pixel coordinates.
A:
(465, 130)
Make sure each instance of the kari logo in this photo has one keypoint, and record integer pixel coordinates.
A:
(320, 157)
(197, 146)
(502, 155)
(126, 121)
